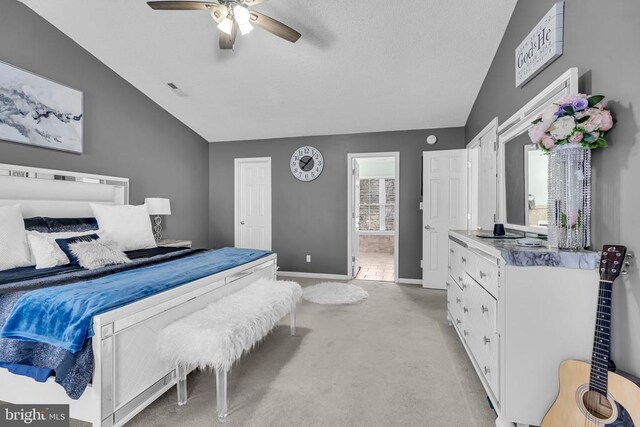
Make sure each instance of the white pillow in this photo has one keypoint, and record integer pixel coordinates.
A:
(129, 226)
(46, 251)
(14, 249)
(98, 254)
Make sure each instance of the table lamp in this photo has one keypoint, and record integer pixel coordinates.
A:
(157, 206)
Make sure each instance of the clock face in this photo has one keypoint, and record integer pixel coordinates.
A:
(306, 163)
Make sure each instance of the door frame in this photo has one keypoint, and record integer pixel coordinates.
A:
(396, 241)
(473, 186)
(236, 196)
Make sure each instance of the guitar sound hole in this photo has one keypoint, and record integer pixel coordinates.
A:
(597, 405)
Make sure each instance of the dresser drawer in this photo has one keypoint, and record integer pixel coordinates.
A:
(458, 260)
(481, 335)
(484, 271)
(455, 301)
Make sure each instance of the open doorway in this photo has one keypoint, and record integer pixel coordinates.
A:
(373, 216)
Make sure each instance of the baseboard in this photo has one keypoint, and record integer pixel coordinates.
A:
(313, 275)
(410, 281)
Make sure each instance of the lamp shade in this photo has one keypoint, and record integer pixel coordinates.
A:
(158, 206)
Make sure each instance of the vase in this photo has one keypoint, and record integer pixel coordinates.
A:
(569, 213)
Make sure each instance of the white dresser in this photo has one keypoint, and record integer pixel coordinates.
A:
(519, 313)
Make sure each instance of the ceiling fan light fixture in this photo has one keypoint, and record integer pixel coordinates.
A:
(241, 14)
(226, 26)
(245, 28)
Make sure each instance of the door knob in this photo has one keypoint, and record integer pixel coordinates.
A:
(241, 222)
(428, 227)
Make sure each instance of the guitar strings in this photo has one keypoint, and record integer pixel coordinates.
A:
(594, 400)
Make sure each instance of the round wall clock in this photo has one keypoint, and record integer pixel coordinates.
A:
(306, 163)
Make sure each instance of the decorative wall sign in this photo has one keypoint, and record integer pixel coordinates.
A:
(38, 111)
(542, 46)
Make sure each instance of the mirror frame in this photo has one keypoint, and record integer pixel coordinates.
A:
(520, 122)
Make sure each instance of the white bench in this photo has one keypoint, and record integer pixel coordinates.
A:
(216, 336)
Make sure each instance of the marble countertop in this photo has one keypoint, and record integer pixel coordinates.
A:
(523, 256)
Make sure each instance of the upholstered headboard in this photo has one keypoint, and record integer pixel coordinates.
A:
(58, 194)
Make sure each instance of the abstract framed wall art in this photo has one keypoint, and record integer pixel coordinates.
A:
(37, 111)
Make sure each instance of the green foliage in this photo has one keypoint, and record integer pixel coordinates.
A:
(593, 100)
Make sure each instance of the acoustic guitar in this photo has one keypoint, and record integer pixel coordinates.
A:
(591, 395)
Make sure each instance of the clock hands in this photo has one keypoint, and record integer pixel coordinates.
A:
(306, 163)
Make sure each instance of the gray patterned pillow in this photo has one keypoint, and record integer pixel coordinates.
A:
(98, 253)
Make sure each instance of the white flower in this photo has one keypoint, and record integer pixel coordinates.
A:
(548, 117)
(561, 128)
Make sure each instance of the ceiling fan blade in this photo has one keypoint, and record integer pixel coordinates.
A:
(181, 5)
(227, 41)
(253, 2)
(274, 27)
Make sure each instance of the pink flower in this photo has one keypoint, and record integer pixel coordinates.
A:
(594, 121)
(601, 105)
(537, 132)
(572, 219)
(548, 142)
(596, 134)
(606, 120)
(576, 137)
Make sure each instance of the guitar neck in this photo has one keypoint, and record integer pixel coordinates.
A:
(601, 341)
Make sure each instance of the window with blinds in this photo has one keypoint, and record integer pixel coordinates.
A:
(377, 204)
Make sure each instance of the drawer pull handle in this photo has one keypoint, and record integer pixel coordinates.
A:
(458, 321)
(464, 286)
(465, 309)
(484, 309)
(458, 300)
(448, 284)
(482, 274)
(450, 251)
(463, 259)
(465, 333)
(486, 340)
(460, 279)
(486, 370)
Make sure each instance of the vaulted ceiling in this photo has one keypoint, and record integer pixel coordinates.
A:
(360, 66)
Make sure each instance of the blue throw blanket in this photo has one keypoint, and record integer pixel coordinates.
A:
(61, 316)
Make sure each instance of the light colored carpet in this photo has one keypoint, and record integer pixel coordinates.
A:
(334, 293)
(393, 361)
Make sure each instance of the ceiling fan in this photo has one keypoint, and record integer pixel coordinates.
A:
(231, 16)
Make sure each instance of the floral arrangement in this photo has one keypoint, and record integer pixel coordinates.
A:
(579, 119)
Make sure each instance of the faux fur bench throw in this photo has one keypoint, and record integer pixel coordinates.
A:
(216, 336)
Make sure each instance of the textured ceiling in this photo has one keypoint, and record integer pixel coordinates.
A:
(360, 66)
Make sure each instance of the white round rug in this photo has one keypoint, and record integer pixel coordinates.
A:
(334, 293)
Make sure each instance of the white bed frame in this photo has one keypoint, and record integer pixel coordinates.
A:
(128, 371)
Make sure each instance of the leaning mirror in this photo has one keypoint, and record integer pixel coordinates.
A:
(523, 171)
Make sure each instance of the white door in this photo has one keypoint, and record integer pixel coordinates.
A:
(488, 184)
(444, 209)
(253, 203)
(355, 220)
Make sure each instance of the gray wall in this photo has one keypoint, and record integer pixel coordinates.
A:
(601, 39)
(125, 133)
(311, 217)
